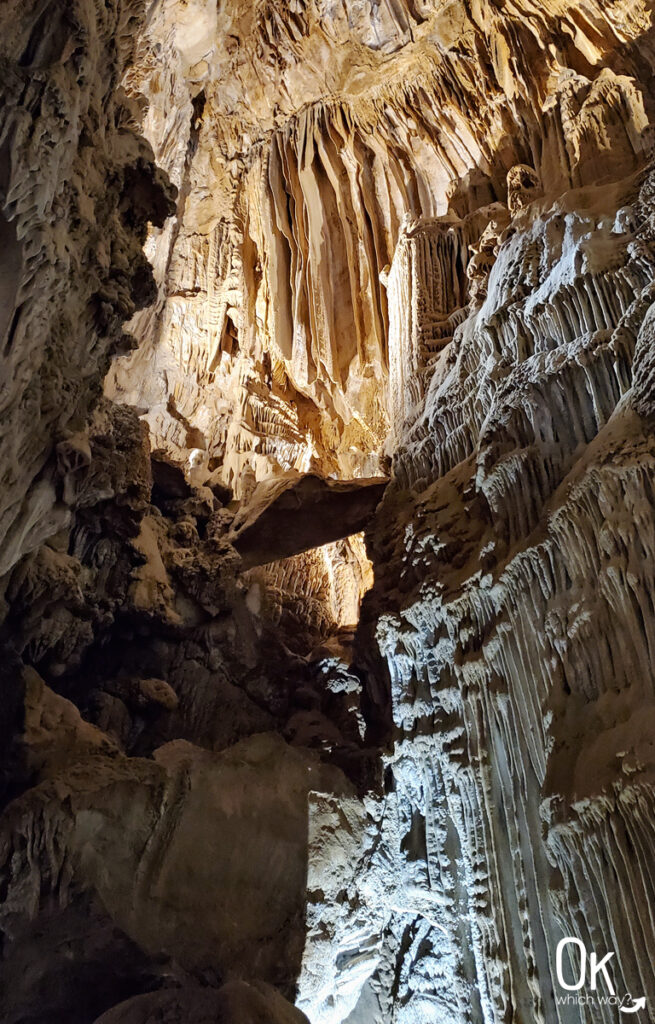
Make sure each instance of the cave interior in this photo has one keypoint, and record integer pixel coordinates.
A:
(327, 511)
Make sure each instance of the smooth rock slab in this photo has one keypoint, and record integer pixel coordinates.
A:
(195, 856)
(236, 1003)
(287, 516)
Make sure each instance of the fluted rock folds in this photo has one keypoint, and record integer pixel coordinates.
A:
(514, 584)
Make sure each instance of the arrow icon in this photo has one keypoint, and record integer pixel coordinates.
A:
(639, 1005)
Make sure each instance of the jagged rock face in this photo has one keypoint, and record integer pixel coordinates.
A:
(302, 137)
(423, 230)
(128, 792)
(78, 186)
(124, 626)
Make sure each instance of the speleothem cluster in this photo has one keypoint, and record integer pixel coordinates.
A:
(327, 517)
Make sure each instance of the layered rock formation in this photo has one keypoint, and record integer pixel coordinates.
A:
(409, 241)
(78, 188)
(301, 140)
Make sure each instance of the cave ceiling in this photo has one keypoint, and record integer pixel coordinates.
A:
(303, 136)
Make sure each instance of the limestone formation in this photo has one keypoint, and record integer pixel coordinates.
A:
(327, 521)
(503, 609)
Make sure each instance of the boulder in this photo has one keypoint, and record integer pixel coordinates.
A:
(296, 513)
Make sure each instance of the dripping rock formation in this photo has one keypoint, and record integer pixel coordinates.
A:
(327, 517)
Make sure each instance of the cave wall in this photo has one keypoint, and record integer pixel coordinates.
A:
(302, 136)
(303, 142)
(411, 238)
(79, 186)
(124, 628)
(512, 604)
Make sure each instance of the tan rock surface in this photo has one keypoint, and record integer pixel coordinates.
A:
(78, 188)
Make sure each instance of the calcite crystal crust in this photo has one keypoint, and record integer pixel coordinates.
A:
(327, 518)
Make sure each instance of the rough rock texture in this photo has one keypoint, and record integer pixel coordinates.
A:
(412, 239)
(513, 582)
(124, 626)
(78, 187)
(513, 597)
(134, 847)
(301, 136)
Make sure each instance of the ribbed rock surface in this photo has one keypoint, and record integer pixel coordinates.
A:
(301, 136)
(513, 597)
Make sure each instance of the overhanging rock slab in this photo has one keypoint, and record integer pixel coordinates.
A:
(295, 513)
